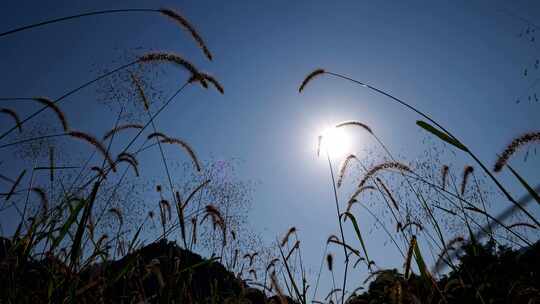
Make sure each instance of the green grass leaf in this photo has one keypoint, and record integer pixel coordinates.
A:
(445, 137)
(358, 234)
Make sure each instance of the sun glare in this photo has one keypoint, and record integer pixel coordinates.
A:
(334, 141)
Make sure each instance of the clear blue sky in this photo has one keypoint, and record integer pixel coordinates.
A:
(460, 61)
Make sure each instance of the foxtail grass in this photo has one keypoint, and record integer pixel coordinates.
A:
(466, 173)
(121, 128)
(516, 144)
(343, 168)
(13, 115)
(97, 144)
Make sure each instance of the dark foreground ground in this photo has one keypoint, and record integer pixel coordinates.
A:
(164, 273)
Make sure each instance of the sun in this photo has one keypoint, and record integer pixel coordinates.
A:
(335, 142)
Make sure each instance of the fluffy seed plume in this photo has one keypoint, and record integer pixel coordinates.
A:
(94, 142)
(121, 128)
(186, 147)
(285, 238)
(383, 166)
(515, 145)
(173, 58)
(310, 77)
(343, 168)
(14, 116)
(444, 174)
(49, 103)
(356, 124)
(174, 15)
(466, 172)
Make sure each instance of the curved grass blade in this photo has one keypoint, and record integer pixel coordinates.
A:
(443, 136)
(358, 234)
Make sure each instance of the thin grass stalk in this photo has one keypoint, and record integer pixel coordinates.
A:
(291, 278)
(483, 204)
(339, 222)
(164, 11)
(177, 203)
(320, 271)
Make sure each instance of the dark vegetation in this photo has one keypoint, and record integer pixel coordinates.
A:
(79, 238)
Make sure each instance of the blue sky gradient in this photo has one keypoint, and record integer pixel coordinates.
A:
(461, 61)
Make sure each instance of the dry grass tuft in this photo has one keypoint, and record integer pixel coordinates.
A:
(516, 143)
(13, 115)
(120, 128)
(185, 24)
(49, 103)
(187, 148)
(97, 144)
(310, 77)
